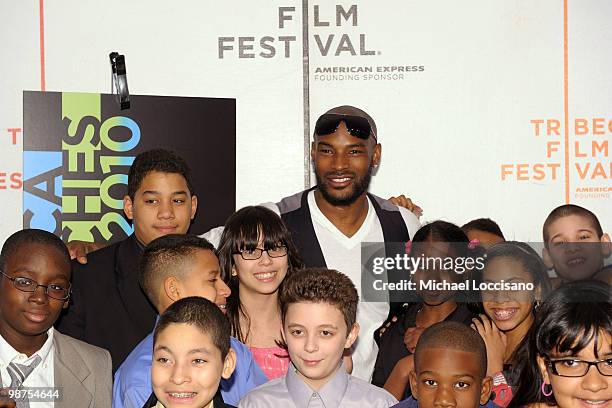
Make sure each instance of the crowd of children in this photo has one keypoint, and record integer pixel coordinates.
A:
(182, 323)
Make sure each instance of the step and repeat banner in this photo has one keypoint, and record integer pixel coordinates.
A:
(499, 109)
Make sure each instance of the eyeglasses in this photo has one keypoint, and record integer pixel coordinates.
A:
(356, 125)
(255, 253)
(29, 285)
(572, 367)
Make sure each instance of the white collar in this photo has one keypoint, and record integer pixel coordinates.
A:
(8, 354)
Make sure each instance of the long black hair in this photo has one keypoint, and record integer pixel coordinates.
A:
(243, 230)
(567, 321)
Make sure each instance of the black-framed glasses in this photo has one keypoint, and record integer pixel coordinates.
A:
(53, 290)
(572, 367)
(256, 253)
(356, 125)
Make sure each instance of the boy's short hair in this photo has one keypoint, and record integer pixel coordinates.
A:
(161, 160)
(166, 256)
(565, 211)
(321, 285)
(36, 236)
(455, 336)
(484, 224)
(202, 314)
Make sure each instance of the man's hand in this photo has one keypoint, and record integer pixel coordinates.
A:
(411, 337)
(403, 201)
(79, 249)
(495, 340)
(5, 401)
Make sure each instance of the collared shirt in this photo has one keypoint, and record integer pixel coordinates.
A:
(342, 390)
(132, 385)
(42, 376)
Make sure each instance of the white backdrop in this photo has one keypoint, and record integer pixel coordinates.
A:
(463, 88)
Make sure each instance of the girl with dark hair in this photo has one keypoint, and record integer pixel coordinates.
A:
(509, 314)
(395, 356)
(256, 253)
(569, 350)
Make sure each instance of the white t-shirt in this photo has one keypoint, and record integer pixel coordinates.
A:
(344, 254)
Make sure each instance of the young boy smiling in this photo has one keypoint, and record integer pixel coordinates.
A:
(575, 244)
(191, 354)
(174, 267)
(318, 311)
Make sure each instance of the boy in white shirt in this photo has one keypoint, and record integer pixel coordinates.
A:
(39, 366)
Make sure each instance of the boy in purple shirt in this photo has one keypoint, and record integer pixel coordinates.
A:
(173, 267)
(318, 311)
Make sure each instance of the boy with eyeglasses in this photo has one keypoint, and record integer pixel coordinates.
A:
(39, 366)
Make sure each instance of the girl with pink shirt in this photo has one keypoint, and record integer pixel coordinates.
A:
(255, 254)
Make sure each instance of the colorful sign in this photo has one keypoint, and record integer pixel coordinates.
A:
(78, 148)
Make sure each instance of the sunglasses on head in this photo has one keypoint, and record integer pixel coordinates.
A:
(356, 125)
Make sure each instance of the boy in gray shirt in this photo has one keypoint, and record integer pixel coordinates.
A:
(319, 311)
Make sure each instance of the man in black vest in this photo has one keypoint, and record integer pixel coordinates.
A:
(330, 221)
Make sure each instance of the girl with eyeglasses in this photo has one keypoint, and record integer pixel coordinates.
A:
(569, 359)
(256, 254)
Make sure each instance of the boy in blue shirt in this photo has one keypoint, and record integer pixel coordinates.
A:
(173, 267)
(192, 355)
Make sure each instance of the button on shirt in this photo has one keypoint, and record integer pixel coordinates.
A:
(342, 390)
(41, 376)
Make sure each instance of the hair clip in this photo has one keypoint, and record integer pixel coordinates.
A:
(474, 243)
(408, 247)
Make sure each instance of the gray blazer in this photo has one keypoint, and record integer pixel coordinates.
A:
(83, 373)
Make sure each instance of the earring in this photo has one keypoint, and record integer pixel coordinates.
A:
(543, 389)
(234, 273)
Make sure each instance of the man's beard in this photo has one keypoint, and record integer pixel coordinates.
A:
(359, 186)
